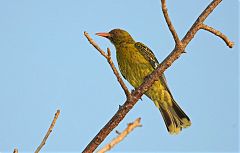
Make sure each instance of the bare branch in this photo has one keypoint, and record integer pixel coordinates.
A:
(15, 150)
(229, 43)
(121, 136)
(136, 94)
(109, 59)
(197, 24)
(115, 71)
(91, 41)
(48, 132)
(169, 23)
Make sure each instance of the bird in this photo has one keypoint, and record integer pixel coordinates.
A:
(136, 61)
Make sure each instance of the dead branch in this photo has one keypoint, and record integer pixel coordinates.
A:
(109, 59)
(169, 23)
(167, 62)
(48, 132)
(229, 43)
(121, 136)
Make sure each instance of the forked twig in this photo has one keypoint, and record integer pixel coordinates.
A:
(121, 136)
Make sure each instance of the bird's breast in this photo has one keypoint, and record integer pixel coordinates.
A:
(133, 66)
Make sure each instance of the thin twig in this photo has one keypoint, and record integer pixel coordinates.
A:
(48, 132)
(121, 136)
(136, 95)
(115, 71)
(15, 150)
(91, 41)
(229, 43)
(109, 59)
(169, 23)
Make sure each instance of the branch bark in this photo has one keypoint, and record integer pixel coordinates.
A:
(167, 62)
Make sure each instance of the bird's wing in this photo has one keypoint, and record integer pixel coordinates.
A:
(149, 55)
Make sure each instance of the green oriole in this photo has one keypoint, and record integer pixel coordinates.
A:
(136, 61)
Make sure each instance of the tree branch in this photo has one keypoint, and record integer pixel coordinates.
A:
(136, 95)
(121, 136)
(229, 43)
(109, 59)
(169, 23)
(48, 132)
(198, 23)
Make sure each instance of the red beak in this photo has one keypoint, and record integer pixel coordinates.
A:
(103, 34)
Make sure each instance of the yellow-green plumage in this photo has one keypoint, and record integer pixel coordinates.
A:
(136, 61)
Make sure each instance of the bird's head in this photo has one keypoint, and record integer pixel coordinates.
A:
(117, 36)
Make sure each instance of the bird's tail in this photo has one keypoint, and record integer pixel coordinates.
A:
(174, 118)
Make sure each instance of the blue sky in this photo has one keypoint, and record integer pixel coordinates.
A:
(47, 64)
